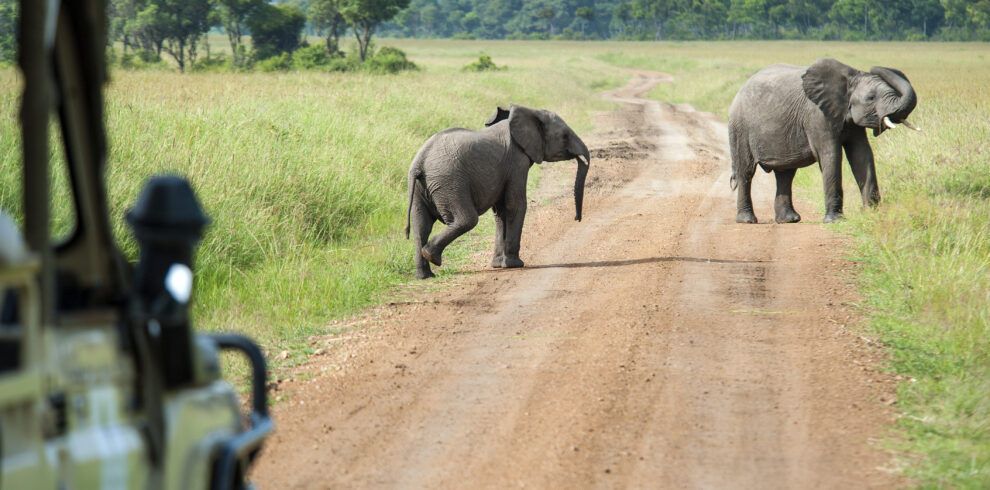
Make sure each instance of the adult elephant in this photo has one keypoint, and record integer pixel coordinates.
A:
(459, 174)
(786, 117)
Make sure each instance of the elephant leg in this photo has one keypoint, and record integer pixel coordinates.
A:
(782, 206)
(463, 218)
(422, 225)
(498, 257)
(515, 214)
(831, 165)
(744, 198)
(860, 157)
(743, 168)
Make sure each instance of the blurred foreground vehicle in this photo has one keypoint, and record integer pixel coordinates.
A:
(103, 382)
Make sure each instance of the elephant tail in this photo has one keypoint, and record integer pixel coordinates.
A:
(415, 173)
(738, 149)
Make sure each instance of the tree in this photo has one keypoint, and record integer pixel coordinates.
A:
(147, 27)
(325, 16)
(181, 23)
(746, 14)
(8, 31)
(970, 18)
(470, 22)
(654, 11)
(118, 13)
(927, 15)
(428, 19)
(233, 16)
(173, 26)
(365, 16)
(586, 14)
(852, 15)
(547, 14)
(979, 14)
(275, 29)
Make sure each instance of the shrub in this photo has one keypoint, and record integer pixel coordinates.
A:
(282, 62)
(148, 56)
(484, 63)
(352, 62)
(388, 60)
(311, 57)
(137, 60)
(215, 63)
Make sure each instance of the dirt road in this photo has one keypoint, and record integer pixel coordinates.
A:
(656, 344)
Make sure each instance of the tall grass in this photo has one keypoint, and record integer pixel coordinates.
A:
(925, 252)
(303, 173)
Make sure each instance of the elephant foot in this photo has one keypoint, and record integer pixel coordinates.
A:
(745, 217)
(832, 217)
(498, 261)
(512, 262)
(428, 256)
(427, 274)
(788, 217)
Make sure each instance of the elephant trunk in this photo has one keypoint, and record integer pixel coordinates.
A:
(582, 174)
(579, 151)
(903, 106)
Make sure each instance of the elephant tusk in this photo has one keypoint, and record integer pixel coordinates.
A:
(910, 126)
(887, 122)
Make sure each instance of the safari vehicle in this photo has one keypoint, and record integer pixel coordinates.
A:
(103, 382)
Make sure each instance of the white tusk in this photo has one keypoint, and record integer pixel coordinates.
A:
(910, 126)
(887, 122)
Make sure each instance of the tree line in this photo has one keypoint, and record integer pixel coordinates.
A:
(150, 29)
(177, 28)
(696, 19)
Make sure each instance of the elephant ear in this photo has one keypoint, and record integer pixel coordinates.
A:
(526, 126)
(501, 114)
(826, 83)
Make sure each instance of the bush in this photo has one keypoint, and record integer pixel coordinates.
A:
(484, 63)
(311, 57)
(146, 56)
(388, 60)
(213, 64)
(138, 59)
(282, 62)
(352, 62)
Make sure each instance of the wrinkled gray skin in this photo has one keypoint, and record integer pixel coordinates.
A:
(786, 117)
(459, 174)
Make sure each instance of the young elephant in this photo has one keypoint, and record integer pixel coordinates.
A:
(786, 117)
(459, 174)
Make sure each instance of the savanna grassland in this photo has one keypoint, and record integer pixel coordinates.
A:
(303, 173)
(304, 176)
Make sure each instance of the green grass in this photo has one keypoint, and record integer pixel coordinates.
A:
(303, 174)
(925, 252)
